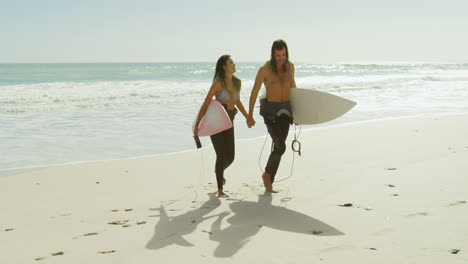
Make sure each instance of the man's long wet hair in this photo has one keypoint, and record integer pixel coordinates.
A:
(279, 44)
(221, 74)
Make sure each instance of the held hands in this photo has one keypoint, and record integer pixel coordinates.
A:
(195, 131)
(250, 122)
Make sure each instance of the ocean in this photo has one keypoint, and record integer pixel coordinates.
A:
(74, 112)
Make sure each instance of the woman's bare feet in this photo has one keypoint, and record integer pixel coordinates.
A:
(221, 194)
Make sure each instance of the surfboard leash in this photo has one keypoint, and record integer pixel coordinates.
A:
(295, 146)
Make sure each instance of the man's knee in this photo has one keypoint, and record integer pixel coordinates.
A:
(280, 148)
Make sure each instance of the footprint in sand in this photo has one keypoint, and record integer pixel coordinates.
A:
(391, 185)
(57, 254)
(106, 252)
(9, 229)
(390, 169)
(419, 214)
(118, 222)
(87, 235)
(457, 203)
(154, 215)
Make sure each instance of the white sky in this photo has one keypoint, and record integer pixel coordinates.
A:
(317, 31)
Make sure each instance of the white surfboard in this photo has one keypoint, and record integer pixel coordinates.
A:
(214, 121)
(312, 107)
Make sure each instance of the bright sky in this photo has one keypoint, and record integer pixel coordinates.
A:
(317, 31)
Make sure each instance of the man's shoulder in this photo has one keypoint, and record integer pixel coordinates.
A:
(265, 67)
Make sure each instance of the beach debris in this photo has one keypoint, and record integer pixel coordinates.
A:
(115, 210)
(98, 182)
(9, 229)
(60, 253)
(141, 223)
(346, 205)
(118, 222)
(372, 248)
(454, 251)
(106, 252)
(87, 234)
(457, 203)
(368, 208)
(390, 169)
(420, 214)
(395, 194)
(41, 258)
(317, 232)
(204, 231)
(126, 225)
(193, 221)
(391, 185)
(128, 210)
(153, 215)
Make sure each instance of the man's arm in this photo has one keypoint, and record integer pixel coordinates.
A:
(256, 88)
(293, 80)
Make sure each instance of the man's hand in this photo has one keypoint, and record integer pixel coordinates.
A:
(250, 122)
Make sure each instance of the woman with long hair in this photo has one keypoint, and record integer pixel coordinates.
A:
(226, 87)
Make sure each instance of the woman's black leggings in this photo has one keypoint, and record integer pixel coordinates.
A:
(223, 143)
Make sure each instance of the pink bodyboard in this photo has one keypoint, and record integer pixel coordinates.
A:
(214, 121)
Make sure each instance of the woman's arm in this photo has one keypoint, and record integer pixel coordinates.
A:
(215, 89)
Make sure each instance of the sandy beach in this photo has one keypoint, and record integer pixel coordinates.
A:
(391, 191)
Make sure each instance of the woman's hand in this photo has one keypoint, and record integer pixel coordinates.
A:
(250, 122)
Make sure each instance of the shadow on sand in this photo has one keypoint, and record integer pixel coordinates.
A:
(250, 217)
(170, 231)
(245, 221)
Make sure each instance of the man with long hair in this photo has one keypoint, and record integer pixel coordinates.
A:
(277, 75)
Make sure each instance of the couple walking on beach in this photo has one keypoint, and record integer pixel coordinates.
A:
(277, 75)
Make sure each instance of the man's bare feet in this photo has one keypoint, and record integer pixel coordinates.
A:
(267, 183)
(221, 194)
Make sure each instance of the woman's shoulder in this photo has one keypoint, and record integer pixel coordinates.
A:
(217, 86)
